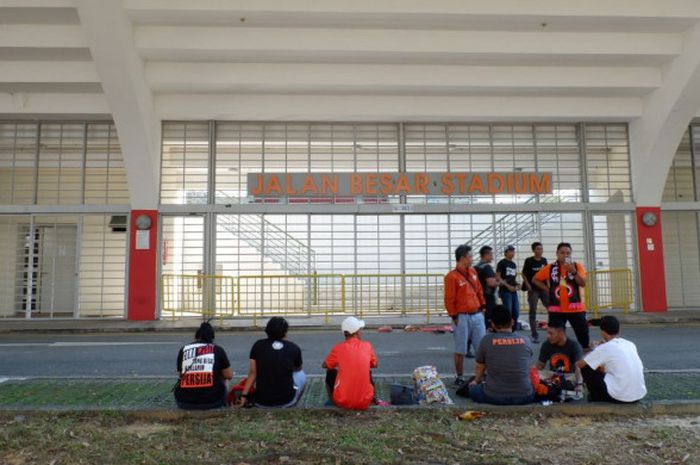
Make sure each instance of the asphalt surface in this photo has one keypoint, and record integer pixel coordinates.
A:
(670, 347)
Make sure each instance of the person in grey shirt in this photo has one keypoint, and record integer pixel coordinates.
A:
(502, 365)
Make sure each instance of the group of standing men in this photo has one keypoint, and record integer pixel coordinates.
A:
(503, 355)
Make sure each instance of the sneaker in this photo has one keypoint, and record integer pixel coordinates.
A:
(535, 339)
(470, 354)
(459, 381)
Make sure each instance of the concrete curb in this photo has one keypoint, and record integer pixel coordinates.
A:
(306, 323)
(654, 408)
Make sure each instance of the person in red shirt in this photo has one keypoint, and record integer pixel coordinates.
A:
(348, 378)
(564, 281)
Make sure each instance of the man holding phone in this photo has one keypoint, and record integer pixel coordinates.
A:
(564, 281)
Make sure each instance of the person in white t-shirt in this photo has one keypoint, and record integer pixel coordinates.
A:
(613, 371)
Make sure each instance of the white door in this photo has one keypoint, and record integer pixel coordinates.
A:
(57, 273)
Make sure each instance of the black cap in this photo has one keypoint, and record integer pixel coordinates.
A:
(608, 323)
(509, 247)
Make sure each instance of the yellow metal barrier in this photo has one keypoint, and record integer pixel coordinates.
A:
(197, 295)
(609, 289)
(338, 294)
(392, 294)
(298, 294)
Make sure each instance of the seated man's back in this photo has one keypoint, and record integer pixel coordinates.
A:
(507, 359)
(353, 359)
(502, 371)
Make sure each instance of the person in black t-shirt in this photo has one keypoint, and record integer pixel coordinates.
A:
(203, 368)
(534, 294)
(275, 369)
(506, 273)
(560, 354)
(487, 277)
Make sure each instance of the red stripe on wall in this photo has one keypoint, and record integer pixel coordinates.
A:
(651, 262)
(143, 270)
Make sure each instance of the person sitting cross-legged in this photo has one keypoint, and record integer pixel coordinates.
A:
(275, 369)
(613, 371)
(501, 374)
(348, 379)
(560, 354)
(203, 368)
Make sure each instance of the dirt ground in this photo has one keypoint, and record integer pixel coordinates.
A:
(335, 437)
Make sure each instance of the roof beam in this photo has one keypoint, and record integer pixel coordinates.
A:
(393, 108)
(121, 71)
(45, 36)
(169, 77)
(48, 71)
(655, 136)
(20, 103)
(550, 8)
(282, 44)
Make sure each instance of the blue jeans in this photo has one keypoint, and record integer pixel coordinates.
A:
(478, 394)
(468, 328)
(299, 384)
(510, 301)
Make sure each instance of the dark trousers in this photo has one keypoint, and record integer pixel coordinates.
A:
(578, 323)
(595, 383)
(331, 376)
(511, 302)
(533, 296)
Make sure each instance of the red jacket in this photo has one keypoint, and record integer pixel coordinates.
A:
(462, 295)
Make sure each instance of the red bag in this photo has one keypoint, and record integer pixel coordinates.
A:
(234, 395)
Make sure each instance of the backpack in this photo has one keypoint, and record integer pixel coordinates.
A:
(429, 387)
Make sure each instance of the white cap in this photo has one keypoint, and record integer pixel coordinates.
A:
(351, 325)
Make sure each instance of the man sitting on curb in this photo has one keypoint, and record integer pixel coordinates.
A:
(613, 371)
(560, 353)
(348, 379)
(502, 365)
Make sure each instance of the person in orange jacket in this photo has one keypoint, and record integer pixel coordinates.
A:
(464, 301)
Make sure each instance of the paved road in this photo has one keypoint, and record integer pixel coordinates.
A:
(137, 354)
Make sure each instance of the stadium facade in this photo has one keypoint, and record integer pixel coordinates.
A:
(166, 158)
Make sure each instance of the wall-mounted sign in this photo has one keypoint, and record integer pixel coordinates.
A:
(386, 183)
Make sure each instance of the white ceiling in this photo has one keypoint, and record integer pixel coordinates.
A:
(141, 61)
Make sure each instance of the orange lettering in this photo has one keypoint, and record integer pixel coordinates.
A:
(403, 185)
(355, 184)
(448, 187)
(476, 184)
(421, 182)
(329, 186)
(460, 180)
(273, 185)
(492, 178)
(257, 190)
(542, 185)
(387, 183)
(509, 181)
(309, 185)
(290, 188)
(521, 184)
(372, 184)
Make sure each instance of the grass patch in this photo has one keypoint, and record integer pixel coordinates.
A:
(125, 394)
(337, 437)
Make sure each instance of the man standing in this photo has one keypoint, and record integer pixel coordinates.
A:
(487, 279)
(348, 379)
(506, 272)
(563, 281)
(613, 371)
(530, 268)
(464, 301)
(501, 374)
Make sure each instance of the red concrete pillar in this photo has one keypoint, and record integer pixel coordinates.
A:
(651, 259)
(143, 265)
